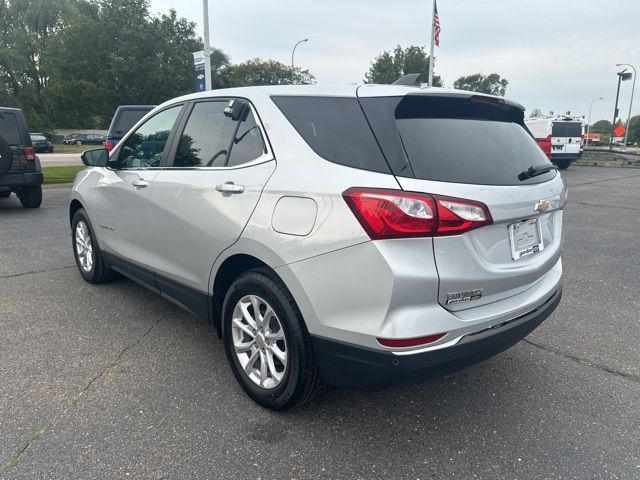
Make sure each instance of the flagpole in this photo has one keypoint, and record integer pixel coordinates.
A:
(431, 62)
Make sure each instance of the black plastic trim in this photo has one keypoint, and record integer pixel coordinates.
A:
(351, 366)
(21, 179)
(190, 299)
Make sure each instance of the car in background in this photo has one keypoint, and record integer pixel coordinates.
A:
(40, 143)
(83, 139)
(559, 137)
(20, 170)
(368, 253)
(126, 116)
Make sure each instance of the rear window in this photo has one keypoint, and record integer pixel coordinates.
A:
(127, 119)
(336, 129)
(9, 128)
(566, 129)
(462, 141)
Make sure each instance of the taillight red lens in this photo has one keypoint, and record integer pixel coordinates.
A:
(392, 213)
(388, 214)
(108, 144)
(29, 153)
(409, 342)
(457, 215)
(545, 145)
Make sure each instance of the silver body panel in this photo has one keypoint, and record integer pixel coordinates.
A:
(347, 287)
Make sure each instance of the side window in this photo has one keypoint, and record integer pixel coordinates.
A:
(144, 147)
(206, 137)
(247, 144)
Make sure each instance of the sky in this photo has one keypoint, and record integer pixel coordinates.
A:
(557, 55)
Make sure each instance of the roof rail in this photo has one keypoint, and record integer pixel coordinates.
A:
(411, 79)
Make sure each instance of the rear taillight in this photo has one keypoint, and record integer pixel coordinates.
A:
(29, 153)
(388, 214)
(108, 144)
(409, 342)
(545, 145)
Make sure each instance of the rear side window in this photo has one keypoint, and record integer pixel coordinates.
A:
(463, 141)
(247, 144)
(336, 129)
(566, 129)
(9, 129)
(127, 119)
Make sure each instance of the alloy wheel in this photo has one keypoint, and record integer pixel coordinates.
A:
(259, 342)
(84, 247)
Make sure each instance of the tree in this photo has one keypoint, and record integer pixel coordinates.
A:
(491, 84)
(267, 72)
(26, 28)
(634, 129)
(535, 113)
(389, 66)
(601, 126)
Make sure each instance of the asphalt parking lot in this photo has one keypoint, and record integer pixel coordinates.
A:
(111, 381)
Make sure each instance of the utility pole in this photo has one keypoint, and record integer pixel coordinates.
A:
(207, 45)
(633, 87)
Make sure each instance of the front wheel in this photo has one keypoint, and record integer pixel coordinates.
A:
(30, 197)
(89, 260)
(266, 342)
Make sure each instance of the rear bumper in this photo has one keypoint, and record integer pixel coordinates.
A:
(21, 179)
(347, 365)
(561, 157)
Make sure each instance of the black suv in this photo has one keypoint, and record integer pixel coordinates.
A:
(20, 170)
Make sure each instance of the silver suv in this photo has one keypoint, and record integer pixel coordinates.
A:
(356, 236)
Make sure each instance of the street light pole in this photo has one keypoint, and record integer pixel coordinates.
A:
(589, 121)
(615, 108)
(207, 45)
(633, 87)
(293, 53)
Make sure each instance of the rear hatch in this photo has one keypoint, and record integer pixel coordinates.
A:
(474, 148)
(566, 138)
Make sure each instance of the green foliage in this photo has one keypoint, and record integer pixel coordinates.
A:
(70, 63)
(634, 129)
(601, 126)
(535, 113)
(491, 84)
(267, 72)
(389, 66)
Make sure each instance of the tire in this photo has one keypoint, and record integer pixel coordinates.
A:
(78, 142)
(299, 380)
(6, 194)
(563, 164)
(30, 197)
(6, 156)
(97, 271)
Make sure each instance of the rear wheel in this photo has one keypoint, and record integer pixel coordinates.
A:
(30, 197)
(89, 260)
(563, 164)
(266, 343)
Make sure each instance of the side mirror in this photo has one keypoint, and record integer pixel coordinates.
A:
(98, 157)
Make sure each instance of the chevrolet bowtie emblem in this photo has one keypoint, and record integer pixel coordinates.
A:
(542, 206)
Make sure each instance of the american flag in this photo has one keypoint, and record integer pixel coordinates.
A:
(436, 25)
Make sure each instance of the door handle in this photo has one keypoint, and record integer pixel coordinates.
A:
(140, 183)
(230, 187)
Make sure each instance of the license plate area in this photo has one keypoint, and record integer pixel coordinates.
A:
(525, 238)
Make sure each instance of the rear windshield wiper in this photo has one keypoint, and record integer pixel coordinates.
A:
(535, 171)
